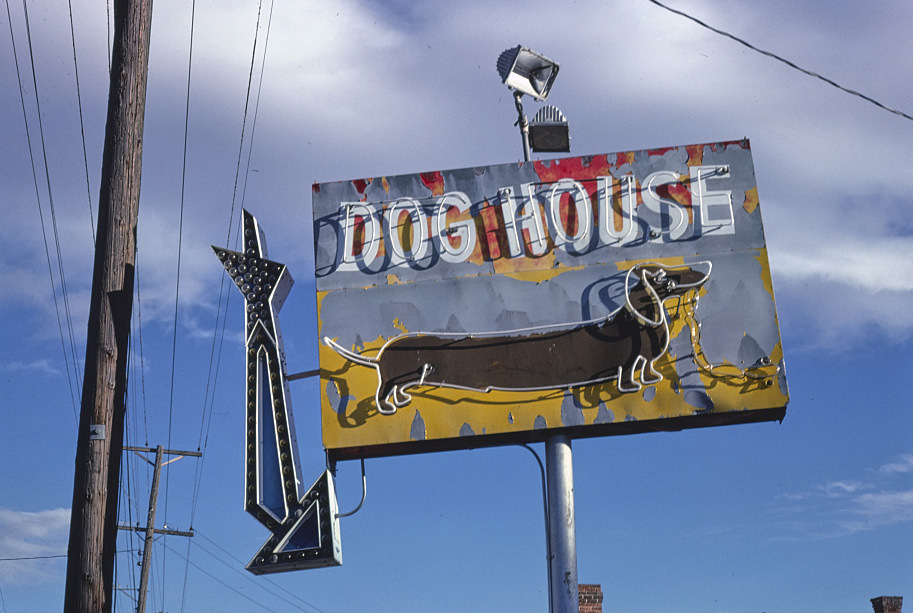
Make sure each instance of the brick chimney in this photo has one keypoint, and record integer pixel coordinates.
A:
(882, 604)
(590, 598)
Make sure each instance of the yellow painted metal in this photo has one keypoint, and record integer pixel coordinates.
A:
(445, 413)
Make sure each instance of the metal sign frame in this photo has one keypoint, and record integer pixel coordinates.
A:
(517, 268)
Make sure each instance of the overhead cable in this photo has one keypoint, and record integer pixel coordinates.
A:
(74, 365)
(82, 128)
(260, 581)
(177, 288)
(217, 580)
(784, 60)
(53, 210)
(222, 312)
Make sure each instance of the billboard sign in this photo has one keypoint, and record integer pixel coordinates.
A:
(490, 305)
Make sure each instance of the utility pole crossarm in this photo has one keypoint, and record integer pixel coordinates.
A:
(192, 454)
(167, 531)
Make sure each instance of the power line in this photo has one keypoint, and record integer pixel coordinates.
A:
(177, 293)
(783, 60)
(142, 361)
(220, 582)
(215, 360)
(82, 128)
(259, 582)
(215, 356)
(177, 286)
(74, 366)
(110, 38)
(128, 467)
(253, 126)
(47, 173)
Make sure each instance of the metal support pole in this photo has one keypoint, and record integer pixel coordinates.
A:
(524, 125)
(559, 467)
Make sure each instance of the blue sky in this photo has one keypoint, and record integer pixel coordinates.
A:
(815, 513)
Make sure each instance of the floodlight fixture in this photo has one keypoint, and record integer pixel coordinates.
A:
(549, 131)
(527, 72)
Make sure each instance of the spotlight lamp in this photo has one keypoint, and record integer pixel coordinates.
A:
(527, 72)
(548, 131)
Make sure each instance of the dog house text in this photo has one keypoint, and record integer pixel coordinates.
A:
(529, 220)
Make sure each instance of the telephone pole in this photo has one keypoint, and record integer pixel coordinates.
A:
(93, 523)
(149, 529)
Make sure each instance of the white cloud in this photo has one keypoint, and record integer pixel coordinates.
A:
(836, 489)
(883, 508)
(902, 465)
(853, 265)
(41, 535)
(842, 272)
(354, 88)
(844, 507)
(43, 366)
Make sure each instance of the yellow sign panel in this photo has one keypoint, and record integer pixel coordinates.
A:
(598, 295)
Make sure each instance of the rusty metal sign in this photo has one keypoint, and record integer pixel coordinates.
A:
(599, 295)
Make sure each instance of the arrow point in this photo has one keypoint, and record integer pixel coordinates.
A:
(309, 538)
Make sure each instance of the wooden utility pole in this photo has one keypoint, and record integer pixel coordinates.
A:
(150, 532)
(93, 523)
(149, 529)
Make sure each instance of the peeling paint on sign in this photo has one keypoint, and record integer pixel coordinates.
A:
(600, 294)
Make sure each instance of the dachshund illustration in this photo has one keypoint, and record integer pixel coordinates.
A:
(620, 346)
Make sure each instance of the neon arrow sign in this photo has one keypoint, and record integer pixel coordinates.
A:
(305, 527)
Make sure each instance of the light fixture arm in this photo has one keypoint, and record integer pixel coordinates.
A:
(524, 125)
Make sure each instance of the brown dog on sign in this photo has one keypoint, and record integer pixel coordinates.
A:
(623, 346)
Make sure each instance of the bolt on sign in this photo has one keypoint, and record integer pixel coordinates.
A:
(595, 295)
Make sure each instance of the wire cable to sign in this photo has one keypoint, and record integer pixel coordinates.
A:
(548, 528)
(364, 493)
(785, 61)
(66, 358)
